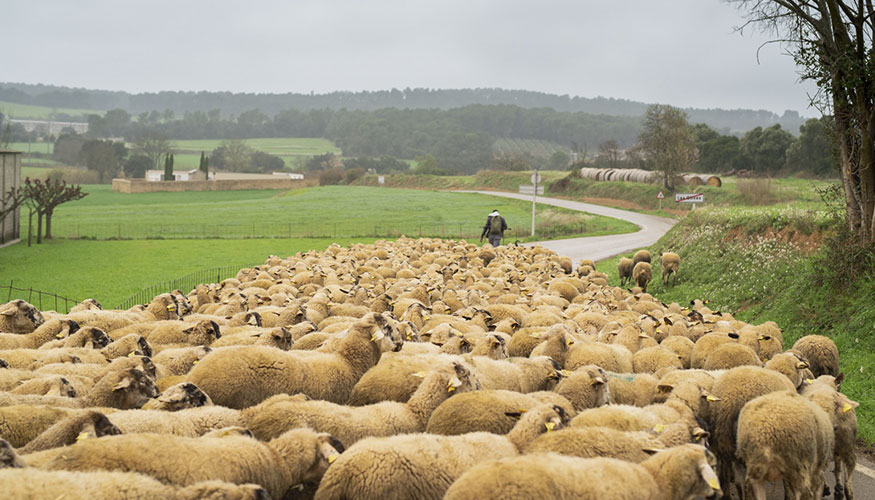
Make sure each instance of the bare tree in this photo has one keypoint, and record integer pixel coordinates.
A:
(154, 147)
(44, 197)
(609, 153)
(667, 141)
(833, 41)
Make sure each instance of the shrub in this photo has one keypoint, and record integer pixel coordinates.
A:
(73, 175)
(331, 176)
(756, 191)
(354, 174)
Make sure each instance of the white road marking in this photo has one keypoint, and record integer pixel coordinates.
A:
(862, 469)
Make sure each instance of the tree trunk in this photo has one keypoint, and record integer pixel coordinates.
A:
(49, 224)
(39, 227)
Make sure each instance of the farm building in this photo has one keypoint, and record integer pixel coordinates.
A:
(10, 177)
(185, 175)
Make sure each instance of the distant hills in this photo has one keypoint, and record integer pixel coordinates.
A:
(232, 104)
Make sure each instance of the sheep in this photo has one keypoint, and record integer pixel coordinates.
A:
(295, 457)
(790, 364)
(202, 333)
(423, 465)
(488, 411)
(49, 385)
(641, 275)
(50, 330)
(652, 359)
(18, 316)
(350, 424)
(821, 354)
(641, 256)
(131, 344)
(730, 355)
(34, 358)
(87, 305)
(19, 424)
(707, 344)
(74, 428)
(624, 269)
(670, 262)
(124, 390)
(682, 346)
(238, 377)
(86, 337)
(728, 395)
(36, 484)
(555, 346)
(178, 397)
(190, 422)
(612, 358)
(9, 459)
(782, 435)
(633, 418)
(279, 337)
(586, 387)
(632, 389)
(179, 361)
(678, 473)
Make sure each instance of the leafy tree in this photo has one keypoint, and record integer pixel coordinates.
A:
(559, 160)
(833, 42)
(168, 168)
(766, 149)
(153, 146)
(265, 162)
(717, 153)
(136, 166)
(204, 165)
(668, 142)
(379, 165)
(320, 162)
(812, 151)
(428, 165)
(68, 148)
(104, 157)
(234, 155)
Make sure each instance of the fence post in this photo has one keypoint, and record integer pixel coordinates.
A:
(9, 297)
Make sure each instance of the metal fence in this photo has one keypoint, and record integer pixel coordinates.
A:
(41, 300)
(114, 231)
(185, 283)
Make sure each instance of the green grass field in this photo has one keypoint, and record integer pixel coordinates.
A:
(33, 147)
(350, 211)
(187, 153)
(26, 111)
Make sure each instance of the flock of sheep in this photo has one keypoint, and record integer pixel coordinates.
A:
(416, 369)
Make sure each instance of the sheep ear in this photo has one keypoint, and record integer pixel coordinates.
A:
(125, 383)
(514, 414)
(9, 311)
(651, 451)
(840, 379)
(188, 331)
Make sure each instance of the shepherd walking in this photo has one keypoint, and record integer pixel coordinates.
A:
(494, 228)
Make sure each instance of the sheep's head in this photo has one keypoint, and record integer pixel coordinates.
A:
(464, 381)
(281, 338)
(94, 425)
(319, 450)
(205, 332)
(60, 386)
(92, 338)
(181, 396)
(137, 388)
(20, 317)
(693, 465)
(3, 364)
(383, 331)
(8, 458)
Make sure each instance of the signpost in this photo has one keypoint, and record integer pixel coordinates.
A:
(689, 198)
(381, 180)
(659, 197)
(536, 178)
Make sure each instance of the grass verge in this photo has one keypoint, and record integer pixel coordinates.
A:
(768, 264)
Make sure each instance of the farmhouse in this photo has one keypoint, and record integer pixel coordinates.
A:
(10, 177)
(185, 175)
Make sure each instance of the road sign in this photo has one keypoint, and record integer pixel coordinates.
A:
(381, 179)
(689, 197)
(660, 195)
(536, 178)
(529, 189)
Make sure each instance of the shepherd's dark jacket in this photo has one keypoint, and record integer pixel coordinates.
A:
(486, 226)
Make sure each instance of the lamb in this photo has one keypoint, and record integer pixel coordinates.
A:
(784, 436)
(586, 387)
(50, 330)
(641, 275)
(624, 269)
(74, 428)
(350, 424)
(295, 457)
(675, 474)
(489, 411)
(18, 316)
(423, 465)
(821, 354)
(238, 377)
(670, 262)
(36, 484)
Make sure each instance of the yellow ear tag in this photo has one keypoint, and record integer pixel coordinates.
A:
(714, 483)
(566, 373)
(132, 354)
(712, 398)
(847, 408)
(378, 335)
(195, 362)
(426, 316)
(659, 428)
(82, 435)
(332, 458)
(419, 374)
(453, 384)
(60, 335)
(597, 380)
(550, 426)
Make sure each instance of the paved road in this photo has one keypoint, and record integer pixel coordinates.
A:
(600, 247)
(652, 228)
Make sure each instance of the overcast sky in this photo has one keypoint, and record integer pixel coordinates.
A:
(679, 52)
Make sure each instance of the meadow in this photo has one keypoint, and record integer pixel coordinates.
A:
(187, 153)
(112, 270)
(26, 111)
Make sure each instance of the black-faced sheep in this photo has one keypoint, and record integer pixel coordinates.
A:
(78, 426)
(46, 332)
(18, 316)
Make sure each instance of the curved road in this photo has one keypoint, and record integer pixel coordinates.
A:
(599, 247)
(652, 228)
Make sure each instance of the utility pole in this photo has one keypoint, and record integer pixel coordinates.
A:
(536, 177)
